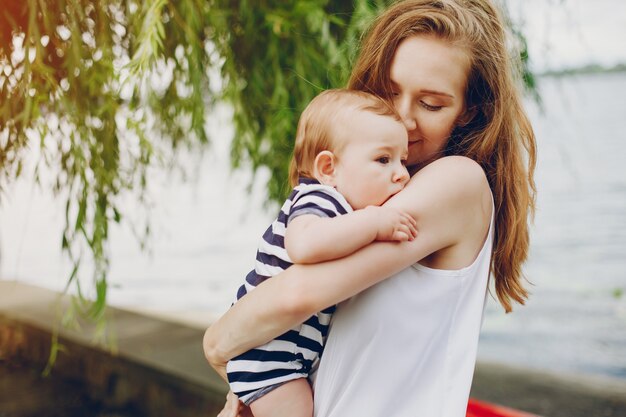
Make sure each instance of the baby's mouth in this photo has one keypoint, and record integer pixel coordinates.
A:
(393, 193)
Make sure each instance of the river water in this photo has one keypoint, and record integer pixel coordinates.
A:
(576, 316)
(205, 229)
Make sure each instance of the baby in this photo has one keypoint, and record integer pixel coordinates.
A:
(349, 158)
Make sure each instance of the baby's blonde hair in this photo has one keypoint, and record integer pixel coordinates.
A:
(318, 123)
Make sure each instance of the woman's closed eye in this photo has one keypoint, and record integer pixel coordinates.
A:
(430, 107)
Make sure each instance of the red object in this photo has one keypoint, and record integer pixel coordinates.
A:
(483, 409)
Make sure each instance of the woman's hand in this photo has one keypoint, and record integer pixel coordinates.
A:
(234, 407)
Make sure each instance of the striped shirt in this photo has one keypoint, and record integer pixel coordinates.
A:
(295, 353)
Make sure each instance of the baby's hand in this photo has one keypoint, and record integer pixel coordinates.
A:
(393, 224)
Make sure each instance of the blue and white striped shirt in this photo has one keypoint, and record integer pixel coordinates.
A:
(295, 353)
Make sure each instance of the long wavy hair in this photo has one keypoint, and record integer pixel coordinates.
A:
(499, 137)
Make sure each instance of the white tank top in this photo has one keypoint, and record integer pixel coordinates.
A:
(406, 347)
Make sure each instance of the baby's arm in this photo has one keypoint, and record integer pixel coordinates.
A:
(312, 239)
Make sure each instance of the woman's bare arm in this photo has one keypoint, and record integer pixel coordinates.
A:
(443, 197)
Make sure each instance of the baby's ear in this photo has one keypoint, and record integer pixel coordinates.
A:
(324, 168)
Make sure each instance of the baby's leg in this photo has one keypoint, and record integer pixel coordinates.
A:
(292, 399)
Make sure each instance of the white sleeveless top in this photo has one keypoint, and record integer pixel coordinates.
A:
(406, 347)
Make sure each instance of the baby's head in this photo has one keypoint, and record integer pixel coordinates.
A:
(353, 141)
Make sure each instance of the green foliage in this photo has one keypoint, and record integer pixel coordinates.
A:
(276, 59)
(528, 77)
(98, 92)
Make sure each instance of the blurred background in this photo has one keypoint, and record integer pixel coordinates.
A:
(181, 231)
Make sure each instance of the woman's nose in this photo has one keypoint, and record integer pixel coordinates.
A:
(403, 106)
(409, 123)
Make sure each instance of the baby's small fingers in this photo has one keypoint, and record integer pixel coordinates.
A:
(406, 230)
(400, 236)
(409, 230)
(407, 219)
(411, 225)
(410, 218)
(404, 220)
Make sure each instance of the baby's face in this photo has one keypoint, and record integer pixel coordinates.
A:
(370, 167)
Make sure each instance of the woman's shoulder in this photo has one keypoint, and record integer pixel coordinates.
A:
(455, 165)
(456, 176)
(452, 187)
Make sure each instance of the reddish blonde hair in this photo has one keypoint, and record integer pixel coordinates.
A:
(318, 124)
(499, 137)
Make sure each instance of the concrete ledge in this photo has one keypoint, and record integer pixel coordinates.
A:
(549, 394)
(158, 370)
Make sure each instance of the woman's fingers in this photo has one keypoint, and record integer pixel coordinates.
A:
(245, 411)
(231, 407)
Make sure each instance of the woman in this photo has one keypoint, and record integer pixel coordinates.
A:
(407, 345)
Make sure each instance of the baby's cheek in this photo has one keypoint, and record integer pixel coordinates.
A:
(374, 194)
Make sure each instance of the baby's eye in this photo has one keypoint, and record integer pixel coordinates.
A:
(403, 161)
(383, 160)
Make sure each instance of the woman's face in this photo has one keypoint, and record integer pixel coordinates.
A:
(429, 78)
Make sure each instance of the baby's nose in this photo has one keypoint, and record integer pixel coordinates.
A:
(401, 175)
